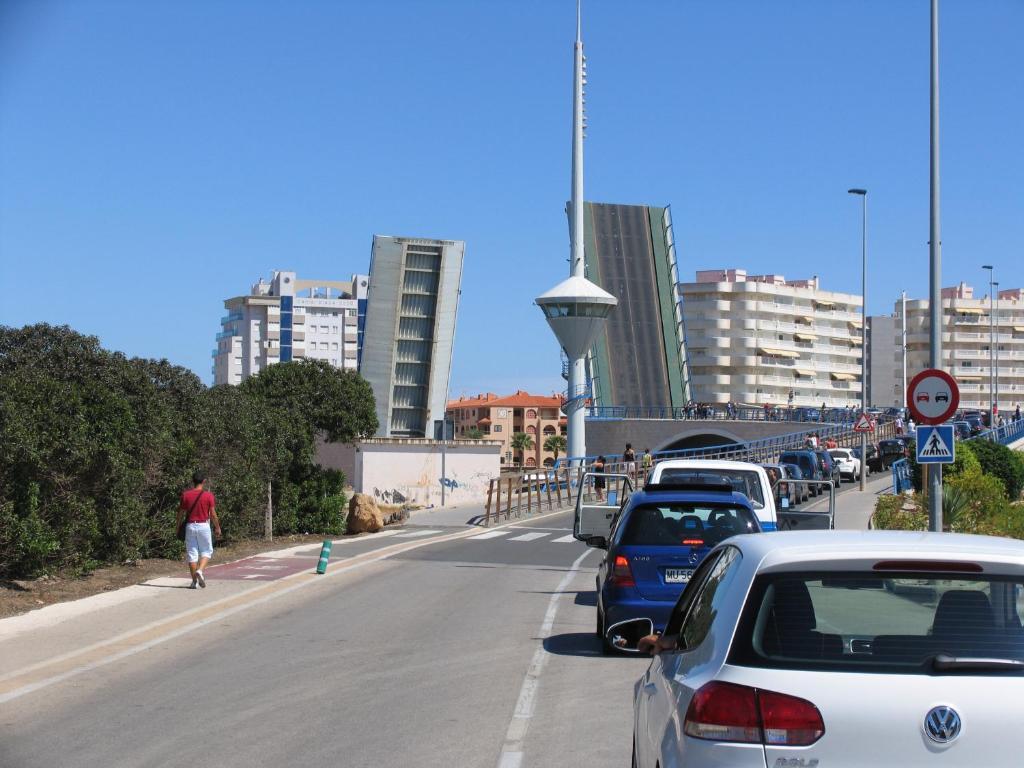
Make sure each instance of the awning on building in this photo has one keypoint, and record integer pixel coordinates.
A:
(805, 319)
(805, 337)
(843, 377)
(967, 378)
(855, 323)
(856, 342)
(803, 372)
(778, 352)
(968, 311)
(825, 304)
(1018, 329)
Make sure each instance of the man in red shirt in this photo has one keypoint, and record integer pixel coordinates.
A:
(197, 509)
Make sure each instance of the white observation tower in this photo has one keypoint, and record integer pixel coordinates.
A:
(576, 308)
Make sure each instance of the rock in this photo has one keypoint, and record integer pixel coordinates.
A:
(364, 516)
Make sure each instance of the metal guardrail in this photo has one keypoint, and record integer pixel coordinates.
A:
(901, 480)
(719, 412)
(519, 493)
(762, 451)
(1010, 432)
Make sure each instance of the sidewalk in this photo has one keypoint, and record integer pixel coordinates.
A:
(853, 507)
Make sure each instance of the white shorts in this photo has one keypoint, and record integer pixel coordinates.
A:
(198, 541)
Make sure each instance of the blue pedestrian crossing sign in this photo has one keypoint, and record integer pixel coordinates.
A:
(935, 444)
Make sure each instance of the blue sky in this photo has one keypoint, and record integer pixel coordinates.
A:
(158, 157)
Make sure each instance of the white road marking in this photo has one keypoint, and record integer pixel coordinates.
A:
(489, 535)
(529, 536)
(565, 539)
(515, 736)
(414, 534)
(253, 576)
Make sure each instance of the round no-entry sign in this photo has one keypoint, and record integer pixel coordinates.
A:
(933, 396)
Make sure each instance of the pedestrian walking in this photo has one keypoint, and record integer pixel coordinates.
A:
(629, 458)
(196, 511)
(598, 469)
(1016, 413)
(899, 425)
(647, 463)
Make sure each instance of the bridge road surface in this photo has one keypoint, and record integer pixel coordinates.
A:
(422, 659)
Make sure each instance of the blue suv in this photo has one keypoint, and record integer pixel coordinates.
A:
(658, 538)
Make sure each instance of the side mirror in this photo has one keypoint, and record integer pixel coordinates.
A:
(626, 635)
(598, 542)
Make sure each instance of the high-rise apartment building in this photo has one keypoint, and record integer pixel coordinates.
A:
(410, 318)
(639, 359)
(754, 339)
(288, 319)
(885, 378)
(966, 344)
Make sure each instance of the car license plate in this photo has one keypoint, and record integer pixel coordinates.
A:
(677, 575)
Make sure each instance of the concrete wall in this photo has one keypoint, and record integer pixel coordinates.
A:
(409, 471)
(610, 437)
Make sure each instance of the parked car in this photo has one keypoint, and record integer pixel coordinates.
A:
(874, 461)
(809, 465)
(828, 466)
(795, 473)
(848, 464)
(962, 430)
(788, 651)
(891, 450)
(661, 534)
(749, 479)
(977, 423)
(777, 476)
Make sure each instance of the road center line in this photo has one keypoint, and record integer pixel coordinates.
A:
(515, 736)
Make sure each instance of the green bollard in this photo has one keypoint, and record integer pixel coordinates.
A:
(325, 553)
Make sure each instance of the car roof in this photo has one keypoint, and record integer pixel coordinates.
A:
(706, 464)
(808, 549)
(707, 497)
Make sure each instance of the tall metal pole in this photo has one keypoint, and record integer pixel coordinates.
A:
(935, 260)
(991, 349)
(905, 382)
(863, 193)
(995, 411)
(577, 367)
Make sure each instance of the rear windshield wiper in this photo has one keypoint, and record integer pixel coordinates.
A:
(944, 662)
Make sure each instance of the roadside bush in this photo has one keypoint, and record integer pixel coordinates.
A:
(1002, 462)
(95, 449)
(899, 513)
(964, 463)
(970, 500)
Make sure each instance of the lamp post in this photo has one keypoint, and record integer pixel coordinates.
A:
(995, 290)
(991, 348)
(934, 254)
(863, 193)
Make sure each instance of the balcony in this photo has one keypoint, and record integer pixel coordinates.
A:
(227, 335)
(274, 333)
(298, 318)
(231, 317)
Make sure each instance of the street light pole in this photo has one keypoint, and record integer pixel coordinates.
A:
(995, 290)
(904, 311)
(991, 348)
(863, 193)
(934, 258)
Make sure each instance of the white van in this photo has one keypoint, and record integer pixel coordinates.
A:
(749, 479)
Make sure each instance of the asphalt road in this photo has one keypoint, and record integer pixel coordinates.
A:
(424, 659)
(467, 652)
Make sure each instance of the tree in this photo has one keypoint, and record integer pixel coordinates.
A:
(521, 443)
(473, 434)
(555, 444)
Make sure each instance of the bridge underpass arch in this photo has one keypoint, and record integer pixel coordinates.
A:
(704, 439)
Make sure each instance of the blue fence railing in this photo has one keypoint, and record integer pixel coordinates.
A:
(725, 413)
(1010, 432)
(901, 480)
(762, 451)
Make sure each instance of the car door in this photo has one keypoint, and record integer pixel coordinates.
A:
(598, 499)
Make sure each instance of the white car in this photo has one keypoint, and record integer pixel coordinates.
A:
(749, 479)
(849, 465)
(794, 650)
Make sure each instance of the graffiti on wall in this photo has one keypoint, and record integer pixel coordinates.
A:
(389, 496)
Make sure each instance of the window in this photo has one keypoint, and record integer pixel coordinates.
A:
(747, 482)
(353, 313)
(881, 622)
(334, 346)
(497, 427)
(531, 413)
(334, 329)
(671, 524)
(705, 605)
(323, 328)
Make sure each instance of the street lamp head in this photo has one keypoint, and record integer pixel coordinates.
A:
(986, 266)
(857, 191)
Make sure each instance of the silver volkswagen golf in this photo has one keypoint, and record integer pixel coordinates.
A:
(832, 649)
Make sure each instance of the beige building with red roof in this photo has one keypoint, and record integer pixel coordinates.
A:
(499, 418)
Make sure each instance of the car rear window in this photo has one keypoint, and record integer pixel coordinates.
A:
(881, 623)
(744, 481)
(682, 524)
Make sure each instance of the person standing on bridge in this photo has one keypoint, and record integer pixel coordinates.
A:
(629, 459)
(598, 469)
(197, 510)
(647, 463)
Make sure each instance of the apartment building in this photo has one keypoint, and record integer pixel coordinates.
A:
(499, 418)
(289, 319)
(754, 339)
(412, 304)
(966, 343)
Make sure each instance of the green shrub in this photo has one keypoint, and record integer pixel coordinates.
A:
(890, 515)
(970, 500)
(1002, 462)
(964, 461)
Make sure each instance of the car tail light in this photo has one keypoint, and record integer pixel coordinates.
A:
(693, 542)
(740, 714)
(941, 566)
(622, 575)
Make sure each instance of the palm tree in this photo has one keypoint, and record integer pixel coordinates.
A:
(521, 443)
(555, 444)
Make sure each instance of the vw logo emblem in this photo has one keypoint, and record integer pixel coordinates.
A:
(942, 724)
